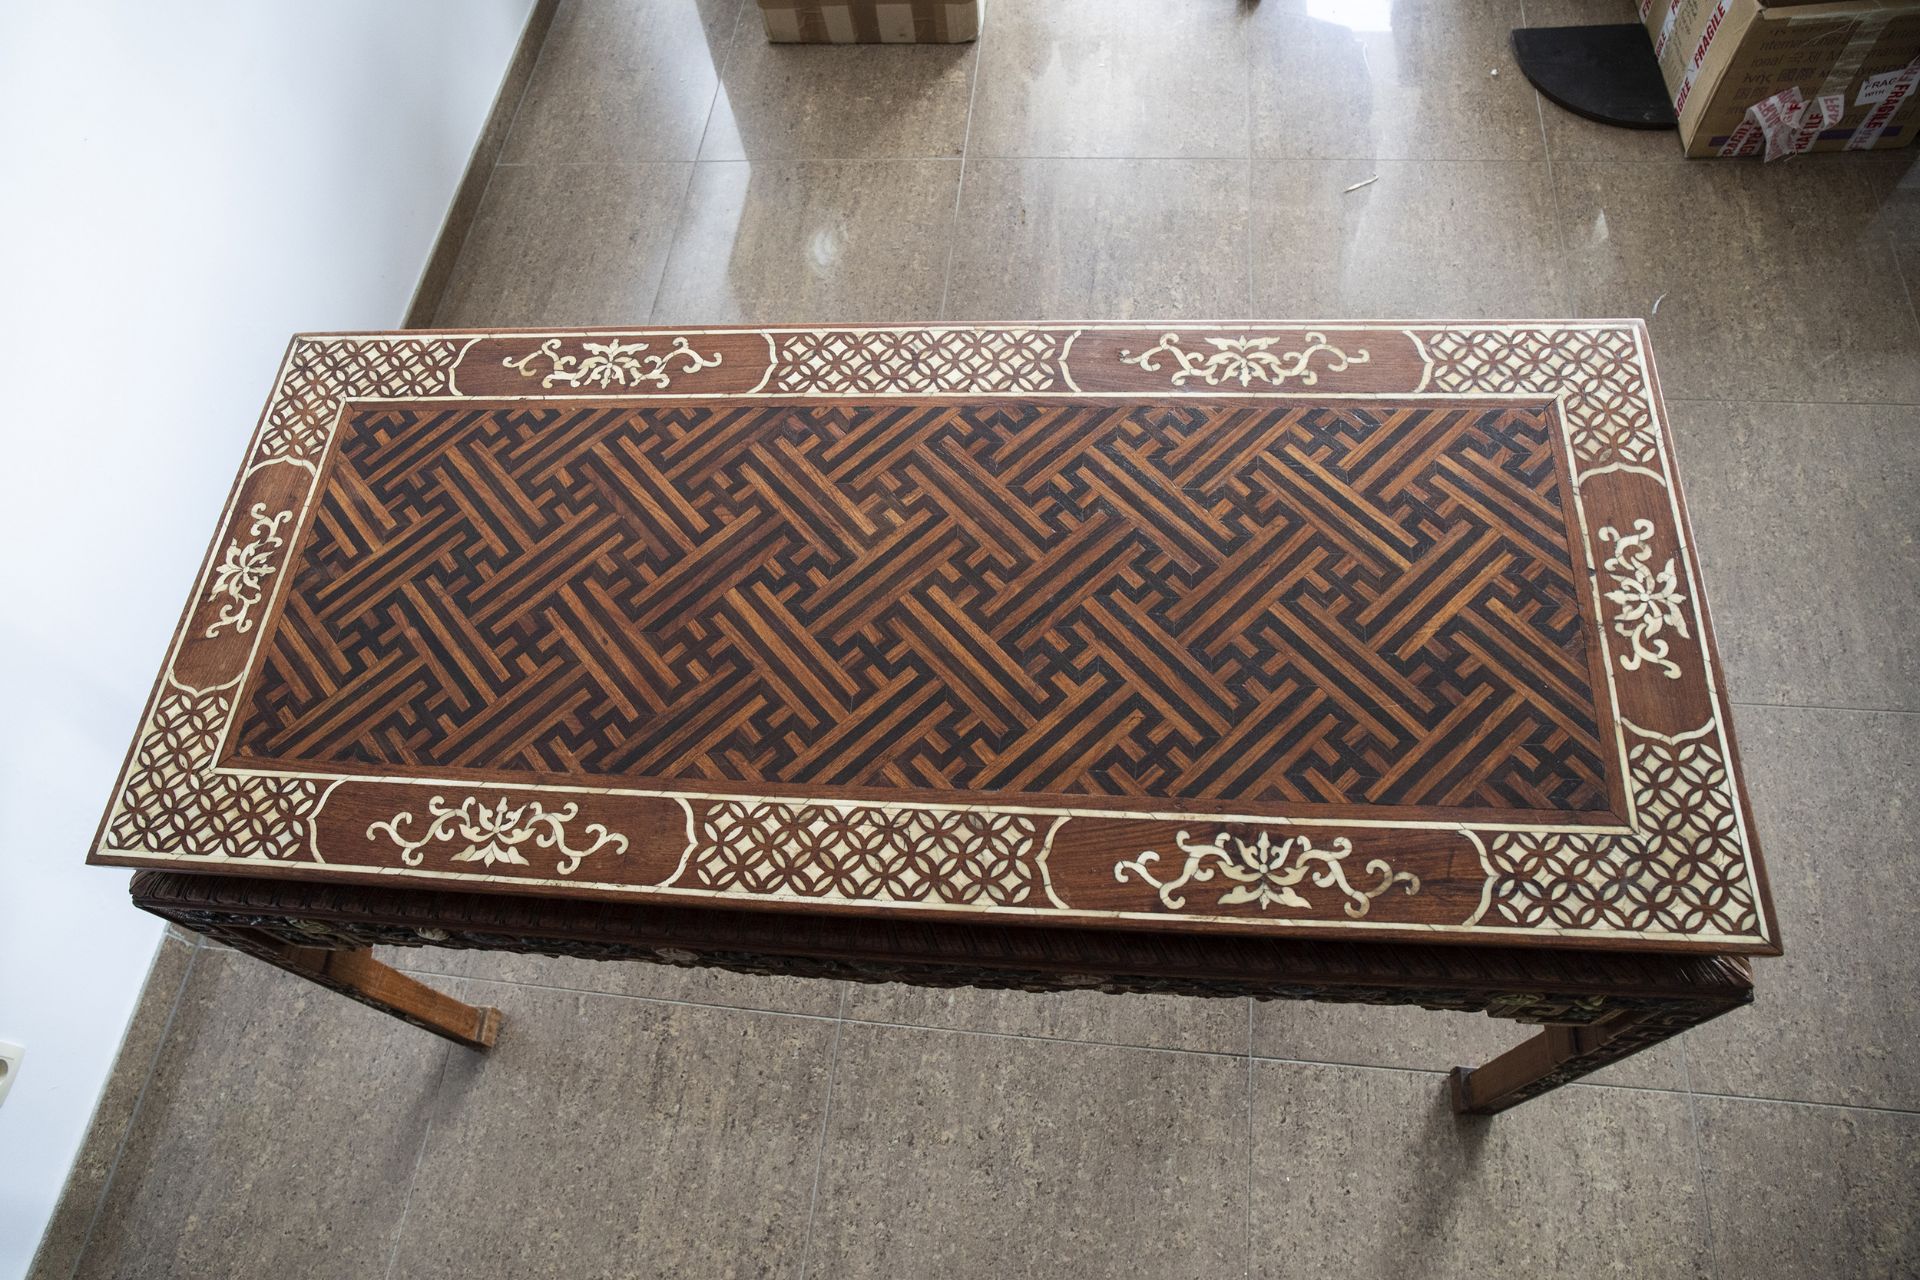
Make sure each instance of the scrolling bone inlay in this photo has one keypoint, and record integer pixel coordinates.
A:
(1649, 601)
(242, 573)
(495, 834)
(1265, 872)
(1244, 360)
(610, 363)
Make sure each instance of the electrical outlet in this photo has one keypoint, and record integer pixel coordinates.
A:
(10, 1055)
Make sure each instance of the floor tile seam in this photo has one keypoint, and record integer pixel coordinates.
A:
(564, 989)
(974, 156)
(693, 169)
(1702, 1188)
(1116, 157)
(533, 78)
(720, 80)
(466, 238)
(1823, 706)
(1792, 404)
(1589, 1083)
(493, 171)
(960, 184)
(139, 1106)
(1443, 1072)
(1249, 1184)
(1767, 1101)
(1037, 1039)
(1247, 10)
(1563, 284)
(419, 1160)
(1906, 285)
(853, 1019)
(1122, 1044)
(820, 1145)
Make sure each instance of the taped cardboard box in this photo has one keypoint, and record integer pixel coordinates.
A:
(1772, 79)
(870, 21)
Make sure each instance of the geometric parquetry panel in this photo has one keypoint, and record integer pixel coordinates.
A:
(1199, 599)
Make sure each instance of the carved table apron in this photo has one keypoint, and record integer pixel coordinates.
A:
(1341, 661)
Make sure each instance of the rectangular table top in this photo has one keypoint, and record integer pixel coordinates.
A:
(1379, 631)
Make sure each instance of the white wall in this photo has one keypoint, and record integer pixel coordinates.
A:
(183, 183)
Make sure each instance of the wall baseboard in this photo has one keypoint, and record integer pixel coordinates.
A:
(473, 183)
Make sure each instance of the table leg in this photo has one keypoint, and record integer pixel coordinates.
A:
(1558, 1054)
(356, 974)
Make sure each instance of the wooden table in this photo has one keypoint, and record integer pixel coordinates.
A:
(1338, 662)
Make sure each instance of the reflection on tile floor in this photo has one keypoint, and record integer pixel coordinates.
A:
(1110, 158)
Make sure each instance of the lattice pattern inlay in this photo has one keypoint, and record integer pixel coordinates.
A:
(323, 372)
(859, 854)
(175, 803)
(853, 361)
(1684, 871)
(1597, 370)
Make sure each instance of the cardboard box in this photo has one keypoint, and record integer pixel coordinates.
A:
(1775, 77)
(871, 21)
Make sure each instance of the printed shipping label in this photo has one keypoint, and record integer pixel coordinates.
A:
(1875, 124)
(1875, 89)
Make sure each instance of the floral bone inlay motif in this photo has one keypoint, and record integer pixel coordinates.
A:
(611, 363)
(242, 574)
(495, 834)
(1244, 360)
(1265, 872)
(1649, 602)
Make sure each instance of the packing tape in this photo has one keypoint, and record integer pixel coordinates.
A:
(1784, 124)
(1846, 65)
(1667, 25)
(1743, 141)
(1823, 112)
(1699, 55)
(1779, 120)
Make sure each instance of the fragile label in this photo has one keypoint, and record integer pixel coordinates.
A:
(1700, 48)
(1874, 89)
(1868, 134)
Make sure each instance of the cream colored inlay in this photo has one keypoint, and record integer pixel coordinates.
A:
(243, 572)
(610, 363)
(1265, 873)
(496, 834)
(1649, 602)
(1244, 360)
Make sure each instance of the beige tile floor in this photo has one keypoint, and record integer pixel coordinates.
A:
(1097, 158)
